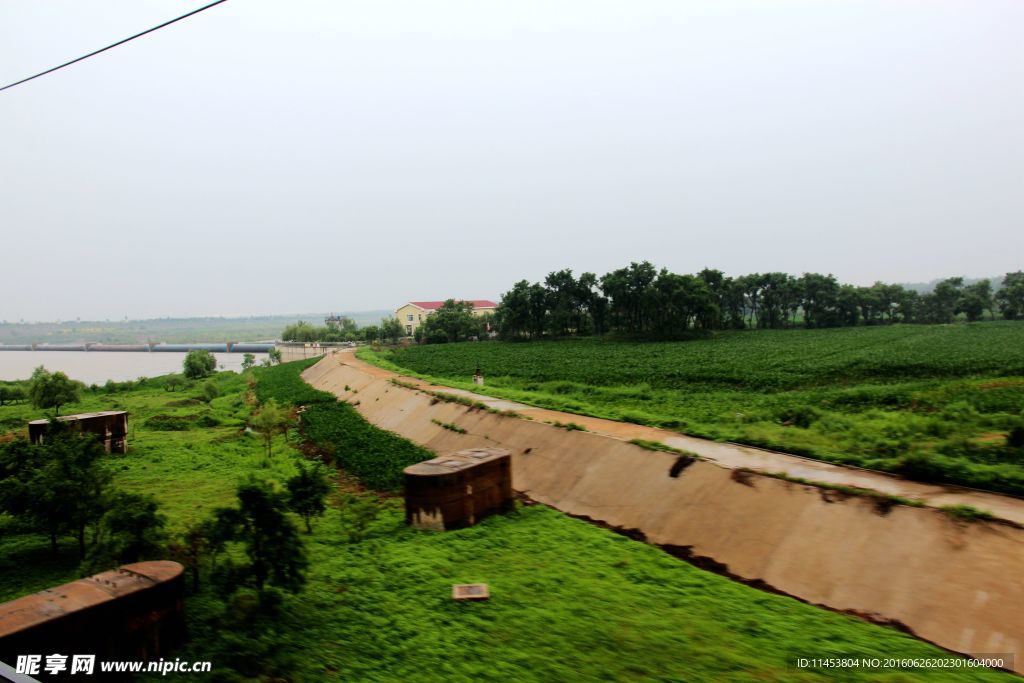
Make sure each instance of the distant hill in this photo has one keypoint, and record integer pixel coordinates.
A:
(255, 328)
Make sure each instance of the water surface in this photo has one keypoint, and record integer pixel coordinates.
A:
(96, 367)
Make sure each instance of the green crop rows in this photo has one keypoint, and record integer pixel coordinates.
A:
(932, 402)
(340, 435)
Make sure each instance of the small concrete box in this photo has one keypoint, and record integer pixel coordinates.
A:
(110, 428)
(458, 490)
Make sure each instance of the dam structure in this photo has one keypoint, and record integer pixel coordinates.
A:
(953, 583)
(225, 347)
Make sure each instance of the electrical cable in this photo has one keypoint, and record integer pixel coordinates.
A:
(120, 42)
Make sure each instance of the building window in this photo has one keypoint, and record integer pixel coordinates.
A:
(408, 328)
(409, 317)
(421, 317)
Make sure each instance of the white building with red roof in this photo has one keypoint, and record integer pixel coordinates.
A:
(412, 314)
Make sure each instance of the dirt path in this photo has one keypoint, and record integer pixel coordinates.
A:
(735, 456)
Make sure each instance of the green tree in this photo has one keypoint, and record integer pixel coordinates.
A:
(301, 331)
(51, 390)
(307, 491)
(199, 363)
(371, 333)
(57, 486)
(1011, 296)
(513, 312)
(453, 321)
(629, 291)
(274, 355)
(173, 382)
(486, 325)
(193, 546)
(357, 513)
(272, 544)
(820, 299)
(248, 361)
(210, 390)
(270, 420)
(131, 530)
(342, 324)
(940, 306)
(391, 328)
(11, 394)
(337, 330)
(975, 300)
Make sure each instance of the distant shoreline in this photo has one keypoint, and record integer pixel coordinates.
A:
(160, 347)
(98, 367)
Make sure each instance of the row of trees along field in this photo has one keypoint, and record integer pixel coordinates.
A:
(642, 300)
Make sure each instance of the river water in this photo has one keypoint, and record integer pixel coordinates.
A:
(96, 367)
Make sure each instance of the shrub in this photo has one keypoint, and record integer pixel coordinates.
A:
(967, 513)
(210, 391)
(198, 364)
(797, 416)
(171, 423)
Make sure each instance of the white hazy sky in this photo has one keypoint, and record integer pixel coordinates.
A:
(267, 157)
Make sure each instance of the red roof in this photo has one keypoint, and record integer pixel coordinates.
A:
(434, 305)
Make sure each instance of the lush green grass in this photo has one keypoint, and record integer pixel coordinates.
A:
(570, 601)
(340, 435)
(933, 402)
(376, 457)
(283, 384)
(189, 472)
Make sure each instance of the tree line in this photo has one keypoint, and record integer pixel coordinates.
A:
(344, 329)
(643, 300)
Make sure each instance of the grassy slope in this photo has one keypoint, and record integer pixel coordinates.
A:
(570, 601)
(946, 395)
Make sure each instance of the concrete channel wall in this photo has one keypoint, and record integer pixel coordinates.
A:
(956, 584)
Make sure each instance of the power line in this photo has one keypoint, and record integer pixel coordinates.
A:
(120, 42)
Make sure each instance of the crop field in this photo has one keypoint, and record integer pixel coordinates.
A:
(936, 403)
(570, 601)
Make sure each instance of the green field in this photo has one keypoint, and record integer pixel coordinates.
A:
(570, 601)
(932, 402)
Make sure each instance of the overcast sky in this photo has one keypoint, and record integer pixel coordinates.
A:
(265, 157)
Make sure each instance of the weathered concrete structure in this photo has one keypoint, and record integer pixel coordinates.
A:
(458, 490)
(110, 428)
(131, 613)
(955, 584)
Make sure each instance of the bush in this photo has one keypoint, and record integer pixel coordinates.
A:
(208, 421)
(357, 514)
(797, 416)
(210, 391)
(11, 394)
(198, 364)
(173, 382)
(171, 423)
(966, 513)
